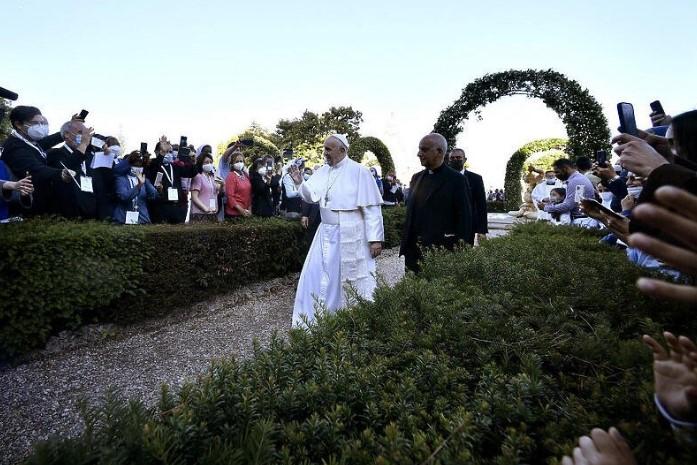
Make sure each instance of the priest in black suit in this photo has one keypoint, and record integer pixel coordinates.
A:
(480, 222)
(439, 208)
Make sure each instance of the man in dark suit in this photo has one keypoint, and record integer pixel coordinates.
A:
(76, 199)
(438, 211)
(457, 162)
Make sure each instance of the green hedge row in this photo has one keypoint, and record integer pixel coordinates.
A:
(496, 206)
(503, 354)
(59, 274)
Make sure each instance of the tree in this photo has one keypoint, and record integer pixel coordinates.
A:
(305, 135)
(5, 126)
(264, 143)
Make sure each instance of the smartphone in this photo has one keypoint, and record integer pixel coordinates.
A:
(158, 179)
(656, 107)
(182, 142)
(247, 142)
(83, 114)
(143, 148)
(592, 204)
(625, 112)
(601, 158)
(269, 167)
(183, 153)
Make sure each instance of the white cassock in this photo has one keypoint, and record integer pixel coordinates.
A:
(541, 191)
(339, 256)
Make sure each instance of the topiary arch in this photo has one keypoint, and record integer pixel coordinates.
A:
(514, 167)
(582, 115)
(364, 144)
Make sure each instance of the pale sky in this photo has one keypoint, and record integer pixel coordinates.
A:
(208, 69)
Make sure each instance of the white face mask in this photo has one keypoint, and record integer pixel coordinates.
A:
(607, 197)
(208, 168)
(239, 166)
(136, 170)
(262, 171)
(306, 176)
(634, 191)
(37, 131)
(551, 181)
(114, 150)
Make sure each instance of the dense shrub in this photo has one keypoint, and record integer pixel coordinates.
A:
(496, 206)
(56, 274)
(393, 222)
(503, 354)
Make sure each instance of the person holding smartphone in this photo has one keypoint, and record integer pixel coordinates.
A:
(262, 197)
(24, 153)
(578, 187)
(132, 192)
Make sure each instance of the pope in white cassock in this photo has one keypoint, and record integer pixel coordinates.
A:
(349, 237)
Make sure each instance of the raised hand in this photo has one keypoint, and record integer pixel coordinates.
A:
(295, 174)
(683, 227)
(675, 375)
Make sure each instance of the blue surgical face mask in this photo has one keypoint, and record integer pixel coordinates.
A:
(167, 159)
(78, 139)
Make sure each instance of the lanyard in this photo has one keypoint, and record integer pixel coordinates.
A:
(170, 177)
(35, 147)
(132, 181)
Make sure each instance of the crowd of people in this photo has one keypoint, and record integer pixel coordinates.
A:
(77, 174)
(647, 202)
(496, 195)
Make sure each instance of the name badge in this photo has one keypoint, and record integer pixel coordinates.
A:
(172, 194)
(131, 217)
(86, 184)
(212, 204)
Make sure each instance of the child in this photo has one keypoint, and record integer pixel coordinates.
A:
(556, 196)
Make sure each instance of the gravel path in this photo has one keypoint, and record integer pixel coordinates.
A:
(39, 399)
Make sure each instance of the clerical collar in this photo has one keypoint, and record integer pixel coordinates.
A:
(437, 170)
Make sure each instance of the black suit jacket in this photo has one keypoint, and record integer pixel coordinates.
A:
(72, 201)
(447, 213)
(21, 158)
(480, 224)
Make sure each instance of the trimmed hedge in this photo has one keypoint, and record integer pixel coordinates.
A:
(503, 354)
(57, 274)
(496, 206)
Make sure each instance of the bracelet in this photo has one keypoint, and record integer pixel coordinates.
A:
(675, 423)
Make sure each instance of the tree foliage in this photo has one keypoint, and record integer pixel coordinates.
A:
(582, 115)
(5, 126)
(364, 144)
(265, 143)
(305, 135)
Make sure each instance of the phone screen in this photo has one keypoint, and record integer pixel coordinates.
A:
(97, 142)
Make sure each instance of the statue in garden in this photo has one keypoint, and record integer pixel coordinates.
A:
(527, 209)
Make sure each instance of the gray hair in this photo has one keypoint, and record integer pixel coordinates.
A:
(68, 126)
(440, 141)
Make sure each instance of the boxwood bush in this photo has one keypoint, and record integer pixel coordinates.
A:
(503, 354)
(57, 274)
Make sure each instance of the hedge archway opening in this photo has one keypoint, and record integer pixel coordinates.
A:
(586, 125)
(514, 167)
(373, 144)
